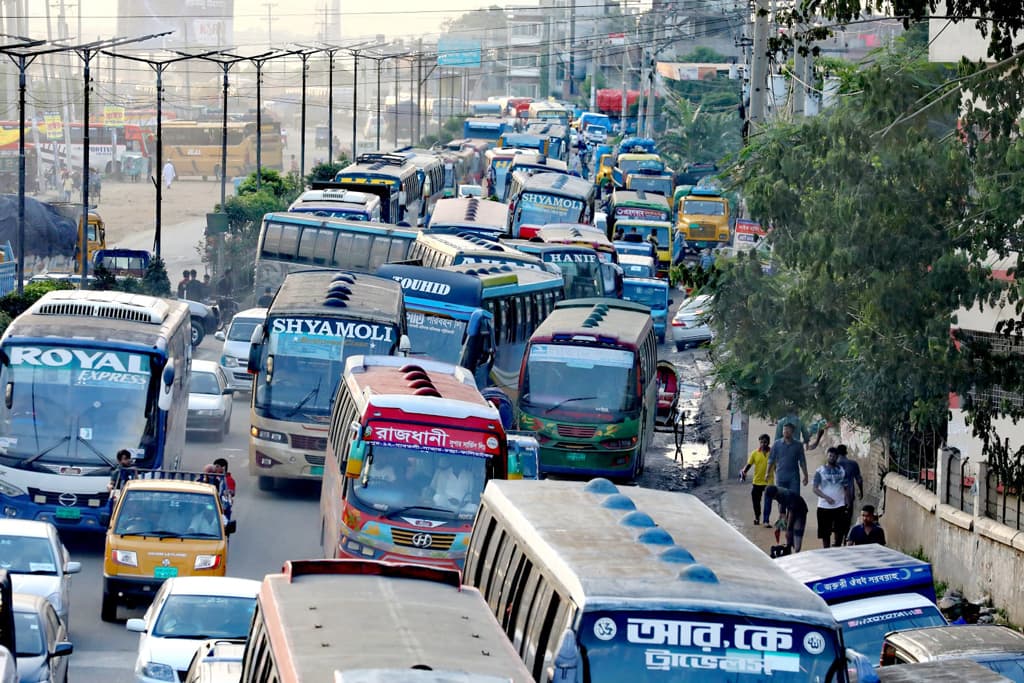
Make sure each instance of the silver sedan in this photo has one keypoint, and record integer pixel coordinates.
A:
(690, 325)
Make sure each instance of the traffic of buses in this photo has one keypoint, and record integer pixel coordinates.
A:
(474, 381)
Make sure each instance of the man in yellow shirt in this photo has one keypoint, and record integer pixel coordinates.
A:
(763, 476)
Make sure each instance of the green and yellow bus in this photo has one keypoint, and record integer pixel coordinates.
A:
(610, 348)
(643, 213)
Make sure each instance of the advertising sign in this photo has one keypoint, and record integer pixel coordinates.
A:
(458, 52)
(53, 126)
(113, 116)
(747, 233)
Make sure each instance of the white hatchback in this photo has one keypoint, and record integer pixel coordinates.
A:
(37, 562)
(186, 611)
(234, 356)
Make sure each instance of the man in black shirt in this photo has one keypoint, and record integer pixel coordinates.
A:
(795, 519)
(868, 530)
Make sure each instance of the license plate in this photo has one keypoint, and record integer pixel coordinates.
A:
(575, 457)
(317, 470)
(165, 572)
(68, 513)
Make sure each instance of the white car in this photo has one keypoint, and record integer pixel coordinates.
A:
(209, 400)
(186, 611)
(471, 191)
(37, 562)
(234, 355)
(690, 324)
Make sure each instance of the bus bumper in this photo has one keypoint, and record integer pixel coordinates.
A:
(350, 548)
(612, 464)
(92, 517)
(268, 460)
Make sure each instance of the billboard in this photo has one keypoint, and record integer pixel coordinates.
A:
(195, 23)
(458, 52)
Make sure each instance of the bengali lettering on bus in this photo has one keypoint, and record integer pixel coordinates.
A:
(432, 438)
(640, 212)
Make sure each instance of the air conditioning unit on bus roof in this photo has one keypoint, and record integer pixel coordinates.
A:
(110, 305)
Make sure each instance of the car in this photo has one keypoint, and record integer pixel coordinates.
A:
(185, 611)
(209, 400)
(471, 191)
(37, 562)
(595, 134)
(234, 355)
(8, 668)
(997, 648)
(690, 323)
(41, 639)
(217, 661)
(205, 320)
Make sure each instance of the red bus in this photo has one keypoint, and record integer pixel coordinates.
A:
(412, 443)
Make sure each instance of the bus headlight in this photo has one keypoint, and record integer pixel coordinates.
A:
(8, 489)
(207, 561)
(267, 435)
(126, 557)
(619, 444)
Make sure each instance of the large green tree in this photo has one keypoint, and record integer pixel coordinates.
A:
(870, 258)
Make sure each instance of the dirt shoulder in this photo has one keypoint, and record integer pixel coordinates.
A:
(130, 208)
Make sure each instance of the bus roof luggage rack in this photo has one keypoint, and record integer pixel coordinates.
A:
(122, 306)
(388, 158)
(295, 568)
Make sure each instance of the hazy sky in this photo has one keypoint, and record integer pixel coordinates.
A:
(299, 17)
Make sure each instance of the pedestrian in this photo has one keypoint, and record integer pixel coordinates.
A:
(577, 167)
(226, 285)
(854, 482)
(266, 299)
(229, 486)
(124, 461)
(795, 518)
(294, 165)
(830, 487)
(787, 455)
(868, 530)
(95, 185)
(169, 174)
(799, 430)
(678, 248)
(183, 285)
(763, 477)
(67, 185)
(194, 288)
(205, 289)
(652, 239)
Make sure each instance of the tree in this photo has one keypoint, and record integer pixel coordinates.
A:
(693, 135)
(704, 55)
(870, 260)
(326, 171)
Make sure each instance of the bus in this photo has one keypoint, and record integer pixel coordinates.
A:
(392, 177)
(581, 234)
(479, 317)
(348, 204)
(607, 350)
(641, 229)
(527, 141)
(296, 241)
(489, 129)
(556, 138)
(543, 198)
(628, 164)
(411, 445)
(430, 167)
(86, 374)
(107, 145)
(530, 163)
(317, 320)
(469, 215)
(437, 251)
(637, 204)
(583, 271)
(549, 112)
(374, 621)
(637, 584)
(194, 147)
(498, 162)
(652, 182)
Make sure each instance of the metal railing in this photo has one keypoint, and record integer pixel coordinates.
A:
(1002, 503)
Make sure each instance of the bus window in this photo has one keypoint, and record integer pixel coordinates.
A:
(273, 241)
(379, 253)
(289, 241)
(360, 249)
(520, 319)
(307, 244)
(342, 249)
(324, 247)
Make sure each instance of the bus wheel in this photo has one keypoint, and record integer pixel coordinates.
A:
(266, 483)
(108, 608)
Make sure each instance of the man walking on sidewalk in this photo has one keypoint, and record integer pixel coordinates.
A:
(763, 476)
(854, 481)
(830, 487)
(787, 456)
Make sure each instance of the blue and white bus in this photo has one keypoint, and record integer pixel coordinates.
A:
(476, 316)
(482, 217)
(392, 177)
(86, 374)
(430, 168)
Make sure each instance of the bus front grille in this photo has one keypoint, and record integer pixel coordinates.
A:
(422, 540)
(317, 460)
(94, 500)
(309, 443)
(577, 432)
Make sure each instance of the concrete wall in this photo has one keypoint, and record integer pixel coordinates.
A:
(977, 555)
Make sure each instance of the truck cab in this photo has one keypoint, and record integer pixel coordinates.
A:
(164, 524)
(703, 218)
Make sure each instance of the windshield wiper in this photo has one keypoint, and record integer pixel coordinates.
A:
(399, 511)
(315, 391)
(29, 461)
(567, 400)
(155, 533)
(100, 455)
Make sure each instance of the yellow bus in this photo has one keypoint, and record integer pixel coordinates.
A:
(194, 147)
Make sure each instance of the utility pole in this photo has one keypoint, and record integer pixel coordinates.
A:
(572, 49)
(304, 55)
(759, 64)
(641, 99)
(270, 23)
(394, 118)
(796, 88)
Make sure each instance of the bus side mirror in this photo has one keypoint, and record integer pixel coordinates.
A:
(356, 453)
(523, 455)
(9, 395)
(166, 397)
(568, 661)
(404, 345)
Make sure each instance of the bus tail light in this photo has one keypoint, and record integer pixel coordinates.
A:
(619, 444)
(207, 562)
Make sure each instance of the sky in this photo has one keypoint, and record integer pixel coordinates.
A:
(298, 18)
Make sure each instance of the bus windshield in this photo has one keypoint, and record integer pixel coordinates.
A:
(660, 233)
(659, 184)
(703, 207)
(722, 648)
(555, 374)
(581, 272)
(74, 406)
(339, 212)
(436, 336)
(630, 165)
(444, 484)
(304, 362)
(866, 633)
(537, 208)
(648, 295)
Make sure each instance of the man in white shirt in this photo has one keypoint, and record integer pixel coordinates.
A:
(833, 498)
(450, 484)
